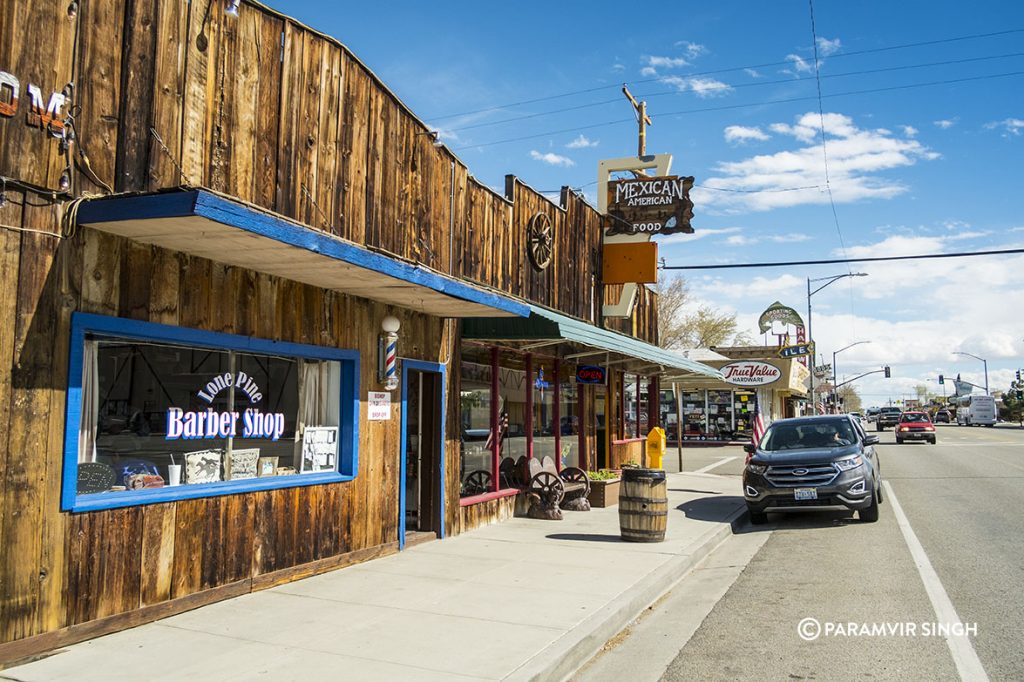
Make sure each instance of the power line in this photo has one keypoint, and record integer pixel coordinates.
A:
(821, 119)
(730, 86)
(833, 261)
(575, 129)
(837, 55)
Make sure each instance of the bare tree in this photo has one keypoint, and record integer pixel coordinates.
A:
(702, 328)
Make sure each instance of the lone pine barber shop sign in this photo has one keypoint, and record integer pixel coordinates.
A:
(210, 423)
(751, 373)
(658, 205)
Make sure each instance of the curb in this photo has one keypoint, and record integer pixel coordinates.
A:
(566, 655)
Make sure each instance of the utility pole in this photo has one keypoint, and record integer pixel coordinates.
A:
(643, 120)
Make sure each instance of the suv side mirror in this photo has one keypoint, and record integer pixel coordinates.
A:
(750, 448)
(870, 440)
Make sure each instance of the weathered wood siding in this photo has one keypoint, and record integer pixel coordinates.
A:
(59, 569)
(280, 116)
(283, 117)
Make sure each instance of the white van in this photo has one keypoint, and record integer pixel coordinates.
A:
(976, 409)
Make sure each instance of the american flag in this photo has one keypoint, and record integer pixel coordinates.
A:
(502, 428)
(758, 427)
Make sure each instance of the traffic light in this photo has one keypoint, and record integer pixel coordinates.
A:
(942, 379)
(888, 374)
(1018, 375)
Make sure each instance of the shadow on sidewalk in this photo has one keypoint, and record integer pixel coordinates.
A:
(585, 537)
(710, 508)
(690, 490)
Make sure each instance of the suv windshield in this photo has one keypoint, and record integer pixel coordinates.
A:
(823, 434)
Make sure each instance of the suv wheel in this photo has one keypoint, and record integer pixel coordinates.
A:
(870, 514)
(758, 518)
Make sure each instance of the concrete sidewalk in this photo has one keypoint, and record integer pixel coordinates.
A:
(524, 599)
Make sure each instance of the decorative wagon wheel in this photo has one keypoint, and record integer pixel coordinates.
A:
(576, 475)
(539, 240)
(478, 482)
(548, 486)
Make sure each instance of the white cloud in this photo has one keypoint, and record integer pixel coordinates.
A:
(666, 62)
(753, 73)
(709, 87)
(693, 50)
(699, 234)
(552, 159)
(743, 240)
(702, 87)
(1010, 126)
(799, 63)
(741, 134)
(791, 238)
(582, 142)
(945, 123)
(909, 131)
(648, 71)
(857, 156)
(828, 47)
(617, 67)
(904, 308)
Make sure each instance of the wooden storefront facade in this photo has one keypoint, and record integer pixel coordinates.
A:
(276, 120)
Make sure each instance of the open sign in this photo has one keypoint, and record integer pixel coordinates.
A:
(590, 374)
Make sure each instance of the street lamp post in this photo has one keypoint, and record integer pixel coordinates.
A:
(810, 332)
(983, 362)
(835, 393)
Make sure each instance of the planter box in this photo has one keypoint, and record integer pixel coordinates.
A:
(604, 493)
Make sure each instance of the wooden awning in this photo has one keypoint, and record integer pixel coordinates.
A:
(204, 224)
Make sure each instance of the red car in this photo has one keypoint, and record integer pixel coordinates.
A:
(915, 426)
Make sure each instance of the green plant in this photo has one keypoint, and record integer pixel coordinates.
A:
(602, 475)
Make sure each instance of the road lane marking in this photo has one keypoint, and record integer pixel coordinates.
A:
(717, 464)
(964, 656)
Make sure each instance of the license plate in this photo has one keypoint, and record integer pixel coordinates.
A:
(806, 493)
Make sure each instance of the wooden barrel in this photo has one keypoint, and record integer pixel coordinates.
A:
(643, 505)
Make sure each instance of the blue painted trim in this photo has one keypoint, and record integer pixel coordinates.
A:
(216, 208)
(437, 368)
(121, 328)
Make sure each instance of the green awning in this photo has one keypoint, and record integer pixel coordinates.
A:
(546, 328)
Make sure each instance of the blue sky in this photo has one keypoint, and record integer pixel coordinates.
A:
(912, 169)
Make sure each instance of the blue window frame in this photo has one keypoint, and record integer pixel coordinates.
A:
(114, 330)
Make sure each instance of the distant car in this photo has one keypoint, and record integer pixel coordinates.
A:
(915, 426)
(943, 417)
(887, 416)
(813, 464)
(872, 414)
(858, 416)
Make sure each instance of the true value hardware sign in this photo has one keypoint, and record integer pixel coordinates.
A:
(656, 205)
(751, 373)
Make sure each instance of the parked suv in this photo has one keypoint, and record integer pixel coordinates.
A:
(813, 464)
(887, 416)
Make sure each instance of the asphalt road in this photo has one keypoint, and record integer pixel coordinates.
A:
(962, 500)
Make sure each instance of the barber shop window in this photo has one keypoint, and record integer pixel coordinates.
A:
(159, 417)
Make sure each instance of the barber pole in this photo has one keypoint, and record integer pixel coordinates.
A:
(390, 361)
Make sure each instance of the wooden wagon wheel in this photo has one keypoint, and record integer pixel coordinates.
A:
(548, 486)
(539, 240)
(478, 482)
(576, 475)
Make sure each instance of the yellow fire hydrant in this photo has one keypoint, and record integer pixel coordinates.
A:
(655, 447)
